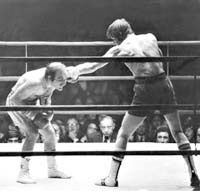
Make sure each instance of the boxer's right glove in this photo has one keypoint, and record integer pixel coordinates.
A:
(72, 74)
(42, 119)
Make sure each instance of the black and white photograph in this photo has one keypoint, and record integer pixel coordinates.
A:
(100, 95)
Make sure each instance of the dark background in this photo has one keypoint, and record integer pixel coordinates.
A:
(74, 20)
(78, 20)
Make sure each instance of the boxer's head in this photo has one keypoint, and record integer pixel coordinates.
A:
(118, 30)
(55, 74)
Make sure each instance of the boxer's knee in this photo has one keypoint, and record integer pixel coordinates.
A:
(30, 141)
(49, 139)
(31, 137)
(48, 133)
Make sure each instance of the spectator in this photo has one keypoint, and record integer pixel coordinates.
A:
(14, 135)
(62, 129)
(4, 123)
(155, 121)
(187, 121)
(107, 126)
(189, 132)
(140, 134)
(163, 135)
(57, 130)
(73, 131)
(92, 134)
(3, 136)
(198, 135)
(80, 117)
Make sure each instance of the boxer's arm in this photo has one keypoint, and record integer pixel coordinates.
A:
(46, 115)
(42, 119)
(22, 93)
(154, 40)
(90, 67)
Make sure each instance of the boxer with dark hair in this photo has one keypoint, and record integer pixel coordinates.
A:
(152, 86)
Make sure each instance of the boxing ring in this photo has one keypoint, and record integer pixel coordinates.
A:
(138, 173)
(153, 167)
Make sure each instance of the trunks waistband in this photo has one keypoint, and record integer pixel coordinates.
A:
(150, 79)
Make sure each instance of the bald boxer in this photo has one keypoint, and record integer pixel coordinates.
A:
(36, 88)
(152, 86)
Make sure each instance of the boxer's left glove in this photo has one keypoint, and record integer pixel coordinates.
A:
(72, 74)
(42, 119)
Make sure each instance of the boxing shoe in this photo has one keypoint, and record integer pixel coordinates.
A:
(25, 178)
(55, 173)
(107, 182)
(195, 182)
(24, 175)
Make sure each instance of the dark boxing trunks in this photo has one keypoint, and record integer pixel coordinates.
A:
(153, 90)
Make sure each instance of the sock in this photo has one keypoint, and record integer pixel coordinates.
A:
(25, 163)
(51, 162)
(115, 166)
(189, 159)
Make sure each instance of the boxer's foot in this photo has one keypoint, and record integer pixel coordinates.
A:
(107, 182)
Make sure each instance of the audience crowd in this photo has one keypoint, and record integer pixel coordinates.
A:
(82, 128)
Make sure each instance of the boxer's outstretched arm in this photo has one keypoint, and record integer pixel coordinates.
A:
(90, 67)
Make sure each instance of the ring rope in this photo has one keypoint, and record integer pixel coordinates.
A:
(90, 43)
(92, 59)
(96, 59)
(96, 112)
(99, 153)
(100, 107)
(103, 78)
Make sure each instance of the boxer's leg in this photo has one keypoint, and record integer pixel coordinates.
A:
(183, 144)
(129, 125)
(49, 136)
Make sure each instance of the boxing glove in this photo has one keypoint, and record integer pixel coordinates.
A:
(42, 119)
